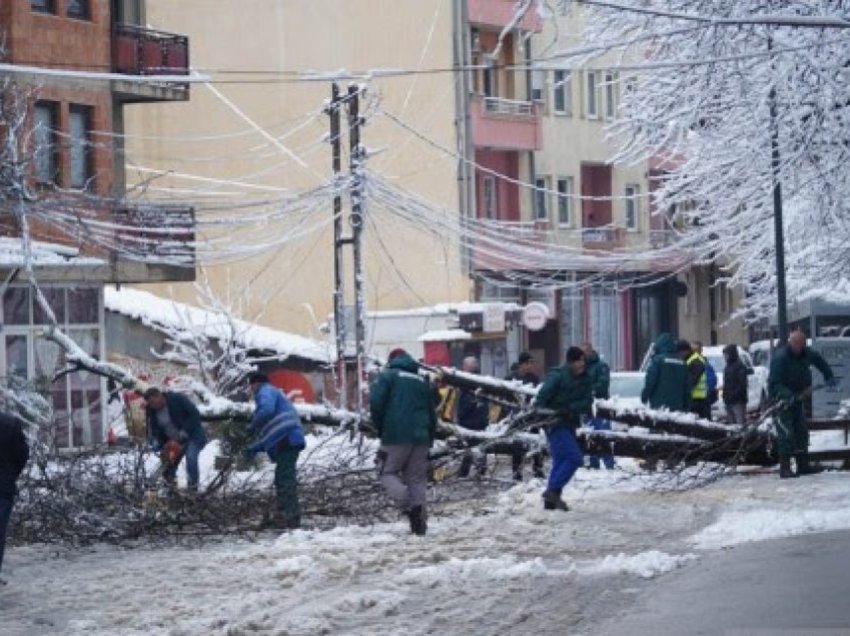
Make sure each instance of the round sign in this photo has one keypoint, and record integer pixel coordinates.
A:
(534, 316)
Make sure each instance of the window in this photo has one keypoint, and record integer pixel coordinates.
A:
(592, 108)
(610, 95)
(46, 116)
(489, 197)
(538, 78)
(632, 206)
(43, 6)
(562, 92)
(541, 191)
(80, 146)
(78, 9)
(490, 88)
(565, 204)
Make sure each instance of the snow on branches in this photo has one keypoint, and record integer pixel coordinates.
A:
(706, 85)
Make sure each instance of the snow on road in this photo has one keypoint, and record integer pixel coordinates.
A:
(506, 566)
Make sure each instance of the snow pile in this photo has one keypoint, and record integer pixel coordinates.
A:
(646, 565)
(154, 311)
(734, 528)
(481, 569)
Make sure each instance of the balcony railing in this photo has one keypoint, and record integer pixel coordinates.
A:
(506, 245)
(602, 238)
(140, 51)
(500, 13)
(505, 124)
(156, 233)
(502, 106)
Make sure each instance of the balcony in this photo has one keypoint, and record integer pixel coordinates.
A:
(154, 242)
(500, 13)
(505, 124)
(140, 51)
(602, 238)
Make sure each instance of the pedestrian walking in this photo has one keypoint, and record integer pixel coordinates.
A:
(14, 454)
(277, 431)
(734, 385)
(600, 379)
(174, 430)
(789, 379)
(567, 390)
(403, 409)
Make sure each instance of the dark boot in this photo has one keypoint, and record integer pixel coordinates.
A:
(418, 524)
(553, 501)
(804, 467)
(785, 471)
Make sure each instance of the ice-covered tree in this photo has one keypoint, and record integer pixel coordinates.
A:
(731, 98)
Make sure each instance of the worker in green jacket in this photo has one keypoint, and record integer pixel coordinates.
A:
(667, 383)
(403, 409)
(790, 377)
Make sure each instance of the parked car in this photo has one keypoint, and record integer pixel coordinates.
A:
(756, 379)
(626, 387)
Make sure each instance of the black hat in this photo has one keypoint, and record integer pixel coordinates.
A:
(574, 353)
(257, 378)
(525, 357)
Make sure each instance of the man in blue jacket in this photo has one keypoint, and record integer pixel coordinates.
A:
(14, 453)
(277, 431)
(174, 429)
(568, 391)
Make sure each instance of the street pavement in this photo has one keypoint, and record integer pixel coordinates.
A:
(797, 586)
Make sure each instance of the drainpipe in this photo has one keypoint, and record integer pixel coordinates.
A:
(463, 128)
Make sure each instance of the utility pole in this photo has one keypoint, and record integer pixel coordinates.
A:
(339, 289)
(356, 222)
(779, 233)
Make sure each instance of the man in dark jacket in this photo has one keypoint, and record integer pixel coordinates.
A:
(600, 378)
(790, 377)
(667, 384)
(734, 385)
(473, 413)
(277, 431)
(567, 390)
(14, 453)
(523, 371)
(174, 430)
(403, 409)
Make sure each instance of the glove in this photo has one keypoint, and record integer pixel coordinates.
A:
(183, 437)
(832, 382)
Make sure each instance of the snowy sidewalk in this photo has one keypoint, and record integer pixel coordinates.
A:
(516, 568)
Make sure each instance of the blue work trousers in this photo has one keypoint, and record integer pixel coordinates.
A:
(566, 457)
(601, 424)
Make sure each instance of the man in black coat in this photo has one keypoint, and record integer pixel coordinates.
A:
(174, 430)
(734, 385)
(14, 453)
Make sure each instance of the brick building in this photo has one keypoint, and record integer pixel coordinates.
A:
(78, 64)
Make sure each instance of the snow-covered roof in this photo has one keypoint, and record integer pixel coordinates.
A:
(155, 311)
(444, 335)
(42, 254)
(440, 309)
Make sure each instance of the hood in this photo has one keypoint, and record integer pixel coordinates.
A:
(731, 352)
(665, 344)
(404, 362)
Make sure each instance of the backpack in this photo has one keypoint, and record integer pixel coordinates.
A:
(711, 382)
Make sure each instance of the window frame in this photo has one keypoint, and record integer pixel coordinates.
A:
(46, 7)
(565, 201)
(564, 87)
(490, 198)
(610, 95)
(74, 144)
(541, 194)
(52, 151)
(631, 200)
(591, 95)
(83, 14)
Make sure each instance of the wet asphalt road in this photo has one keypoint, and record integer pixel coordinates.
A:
(797, 586)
